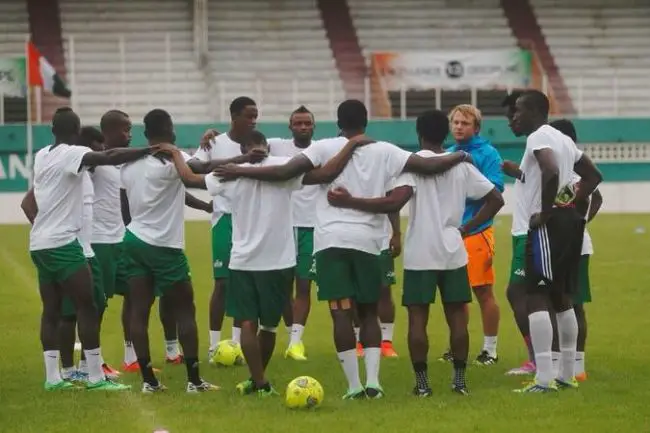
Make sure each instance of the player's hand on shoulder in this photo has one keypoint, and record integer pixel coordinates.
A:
(164, 149)
(338, 197)
(207, 137)
(510, 168)
(361, 140)
(467, 157)
(227, 172)
(256, 155)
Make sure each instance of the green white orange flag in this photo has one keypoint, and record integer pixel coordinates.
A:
(42, 74)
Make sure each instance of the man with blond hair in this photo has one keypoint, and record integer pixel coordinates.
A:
(465, 122)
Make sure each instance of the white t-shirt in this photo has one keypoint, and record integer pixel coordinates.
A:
(369, 171)
(587, 244)
(223, 147)
(108, 226)
(58, 189)
(433, 241)
(86, 232)
(528, 194)
(304, 200)
(156, 197)
(262, 229)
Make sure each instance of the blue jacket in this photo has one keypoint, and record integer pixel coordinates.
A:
(488, 161)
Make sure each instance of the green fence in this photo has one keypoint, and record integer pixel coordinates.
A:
(14, 168)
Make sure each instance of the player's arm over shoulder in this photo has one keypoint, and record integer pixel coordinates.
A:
(111, 156)
(434, 164)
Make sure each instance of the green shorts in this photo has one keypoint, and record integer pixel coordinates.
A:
(258, 295)
(108, 257)
(166, 266)
(518, 263)
(99, 297)
(54, 265)
(221, 246)
(305, 264)
(345, 273)
(583, 295)
(420, 286)
(387, 268)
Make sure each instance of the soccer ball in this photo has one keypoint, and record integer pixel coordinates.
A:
(227, 354)
(304, 392)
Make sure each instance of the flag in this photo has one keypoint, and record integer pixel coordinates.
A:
(42, 74)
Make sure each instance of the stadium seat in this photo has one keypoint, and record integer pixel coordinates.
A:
(602, 50)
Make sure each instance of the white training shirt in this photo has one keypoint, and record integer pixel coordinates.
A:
(156, 197)
(303, 201)
(86, 232)
(371, 168)
(433, 241)
(108, 226)
(58, 189)
(528, 194)
(223, 147)
(262, 229)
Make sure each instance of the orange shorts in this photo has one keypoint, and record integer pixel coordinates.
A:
(480, 249)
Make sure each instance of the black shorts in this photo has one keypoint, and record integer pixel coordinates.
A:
(553, 251)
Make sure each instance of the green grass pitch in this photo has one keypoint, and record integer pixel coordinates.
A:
(615, 398)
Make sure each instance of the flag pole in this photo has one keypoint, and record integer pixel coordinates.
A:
(30, 138)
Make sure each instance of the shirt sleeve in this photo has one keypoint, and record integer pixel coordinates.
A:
(577, 153)
(395, 159)
(492, 169)
(73, 160)
(214, 185)
(478, 186)
(317, 153)
(203, 155)
(538, 141)
(404, 179)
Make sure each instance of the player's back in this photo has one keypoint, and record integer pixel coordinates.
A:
(108, 226)
(156, 197)
(58, 190)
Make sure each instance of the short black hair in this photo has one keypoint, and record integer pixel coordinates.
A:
(566, 127)
(432, 126)
(511, 98)
(536, 101)
(256, 137)
(65, 122)
(158, 124)
(352, 114)
(88, 135)
(301, 110)
(111, 119)
(238, 104)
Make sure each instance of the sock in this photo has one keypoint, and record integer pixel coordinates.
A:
(350, 368)
(192, 365)
(236, 334)
(52, 373)
(580, 363)
(567, 330)
(147, 371)
(421, 376)
(357, 331)
(541, 336)
(490, 345)
(555, 359)
(83, 366)
(372, 357)
(529, 347)
(171, 349)
(459, 373)
(129, 353)
(67, 372)
(387, 331)
(296, 334)
(215, 338)
(94, 361)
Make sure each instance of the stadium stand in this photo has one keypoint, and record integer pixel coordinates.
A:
(276, 52)
(154, 67)
(14, 29)
(411, 25)
(602, 50)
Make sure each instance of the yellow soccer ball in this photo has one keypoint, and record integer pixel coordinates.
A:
(304, 392)
(227, 354)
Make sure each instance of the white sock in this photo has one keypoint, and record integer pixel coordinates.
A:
(94, 361)
(372, 357)
(236, 334)
(83, 366)
(580, 363)
(555, 359)
(350, 368)
(541, 335)
(490, 345)
(567, 329)
(215, 338)
(171, 349)
(357, 331)
(129, 353)
(67, 372)
(387, 331)
(296, 334)
(52, 373)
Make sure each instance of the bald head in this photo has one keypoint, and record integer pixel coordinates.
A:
(116, 128)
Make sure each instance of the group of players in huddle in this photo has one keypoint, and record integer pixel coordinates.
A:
(324, 210)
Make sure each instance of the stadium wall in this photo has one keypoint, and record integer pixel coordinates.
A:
(626, 169)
